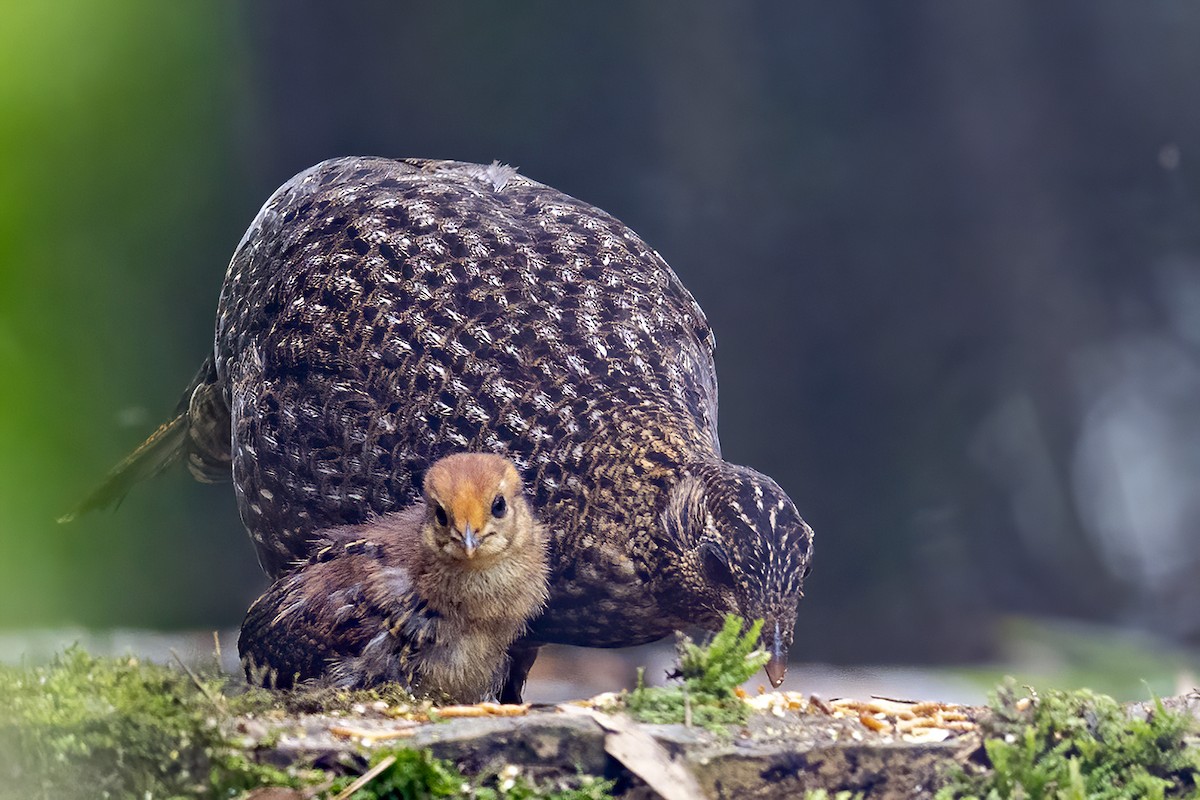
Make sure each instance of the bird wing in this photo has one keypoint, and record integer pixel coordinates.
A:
(321, 619)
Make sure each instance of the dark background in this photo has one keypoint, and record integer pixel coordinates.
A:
(950, 251)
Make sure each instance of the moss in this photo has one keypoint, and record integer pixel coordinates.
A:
(315, 699)
(709, 677)
(1078, 745)
(121, 728)
(415, 774)
(395, 700)
(88, 727)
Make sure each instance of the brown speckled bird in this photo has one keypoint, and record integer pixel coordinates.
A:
(379, 314)
(430, 597)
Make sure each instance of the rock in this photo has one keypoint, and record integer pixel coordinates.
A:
(774, 756)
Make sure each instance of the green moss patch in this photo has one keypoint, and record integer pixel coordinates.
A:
(89, 727)
(85, 727)
(415, 775)
(709, 676)
(1076, 745)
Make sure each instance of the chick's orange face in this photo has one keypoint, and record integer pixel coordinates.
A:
(470, 498)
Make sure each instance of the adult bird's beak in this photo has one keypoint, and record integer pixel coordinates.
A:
(777, 666)
(470, 542)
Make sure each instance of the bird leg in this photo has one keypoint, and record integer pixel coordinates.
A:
(520, 661)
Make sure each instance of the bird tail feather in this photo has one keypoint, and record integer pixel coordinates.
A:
(199, 430)
(162, 449)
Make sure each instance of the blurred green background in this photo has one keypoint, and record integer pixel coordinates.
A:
(951, 254)
(119, 205)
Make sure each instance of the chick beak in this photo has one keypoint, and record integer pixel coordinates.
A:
(470, 542)
(777, 666)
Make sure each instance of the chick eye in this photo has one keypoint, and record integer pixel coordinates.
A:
(499, 506)
(717, 570)
(439, 514)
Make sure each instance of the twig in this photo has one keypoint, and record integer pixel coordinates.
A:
(484, 710)
(372, 736)
(196, 680)
(217, 647)
(365, 778)
(687, 708)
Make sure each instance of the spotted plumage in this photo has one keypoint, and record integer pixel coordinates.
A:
(379, 314)
(429, 597)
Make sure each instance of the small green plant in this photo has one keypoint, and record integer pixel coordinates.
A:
(1077, 745)
(412, 775)
(709, 676)
(416, 775)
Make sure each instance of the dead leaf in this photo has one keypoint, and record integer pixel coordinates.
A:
(642, 755)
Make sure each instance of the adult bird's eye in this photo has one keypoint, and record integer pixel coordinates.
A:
(439, 514)
(716, 570)
(499, 506)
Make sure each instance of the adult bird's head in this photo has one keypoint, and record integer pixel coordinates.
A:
(739, 547)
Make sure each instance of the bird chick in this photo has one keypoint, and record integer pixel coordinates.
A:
(429, 597)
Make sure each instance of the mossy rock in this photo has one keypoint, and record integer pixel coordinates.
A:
(121, 728)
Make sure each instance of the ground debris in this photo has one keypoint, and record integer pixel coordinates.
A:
(788, 745)
(134, 729)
